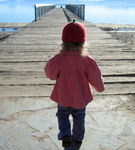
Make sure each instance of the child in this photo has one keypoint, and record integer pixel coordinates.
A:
(74, 71)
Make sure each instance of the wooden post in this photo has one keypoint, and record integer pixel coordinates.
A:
(35, 12)
(83, 12)
(78, 10)
(41, 9)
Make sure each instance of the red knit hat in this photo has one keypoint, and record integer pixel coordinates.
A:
(74, 32)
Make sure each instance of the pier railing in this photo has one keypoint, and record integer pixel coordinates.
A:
(78, 10)
(41, 9)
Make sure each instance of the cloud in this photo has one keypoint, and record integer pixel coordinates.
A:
(100, 14)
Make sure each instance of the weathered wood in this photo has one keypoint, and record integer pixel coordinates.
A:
(38, 77)
(29, 49)
(26, 90)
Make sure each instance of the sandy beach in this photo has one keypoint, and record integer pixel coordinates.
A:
(114, 26)
(116, 32)
(5, 34)
(12, 25)
(123, 32)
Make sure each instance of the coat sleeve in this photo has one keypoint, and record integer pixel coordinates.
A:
(93, 75)
(51, 69)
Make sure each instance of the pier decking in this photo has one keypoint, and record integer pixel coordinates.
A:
(27, 115)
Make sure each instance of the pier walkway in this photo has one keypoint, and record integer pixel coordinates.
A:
(27, 115)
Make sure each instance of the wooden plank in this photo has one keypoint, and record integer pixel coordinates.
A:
(24, 54)
(38, 77)
(26, 90)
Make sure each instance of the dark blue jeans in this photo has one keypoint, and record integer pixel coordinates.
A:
(64, 122)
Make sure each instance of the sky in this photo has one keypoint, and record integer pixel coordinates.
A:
(97, 11)
(102, 2)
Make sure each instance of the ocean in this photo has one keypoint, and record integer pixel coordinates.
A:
(96, 11)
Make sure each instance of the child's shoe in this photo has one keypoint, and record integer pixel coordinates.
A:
(69, 148)
(76, 144)
(67, 142)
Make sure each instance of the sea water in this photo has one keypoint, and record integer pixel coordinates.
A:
(96, 11)
(9, 29)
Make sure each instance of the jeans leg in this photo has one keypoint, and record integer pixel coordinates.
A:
(63, 122)
(78, 124)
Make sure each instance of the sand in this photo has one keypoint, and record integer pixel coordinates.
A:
(125, 33)
(4, 35)
(115, 26)
(12, 25)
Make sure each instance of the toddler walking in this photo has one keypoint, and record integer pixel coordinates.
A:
(75, 71)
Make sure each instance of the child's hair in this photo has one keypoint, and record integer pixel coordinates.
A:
(74, 46)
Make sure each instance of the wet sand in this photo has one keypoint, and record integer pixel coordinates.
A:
(115, 26)
(125, 33)
(5, 34)
(12, 25)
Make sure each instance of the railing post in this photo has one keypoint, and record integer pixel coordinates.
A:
(83, 12)
(78, 10)
(35, 12)
(41, 9)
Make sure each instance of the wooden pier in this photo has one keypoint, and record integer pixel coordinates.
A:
(25, 107)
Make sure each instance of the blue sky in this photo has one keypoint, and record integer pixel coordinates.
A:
(111, 3)
(97, 11)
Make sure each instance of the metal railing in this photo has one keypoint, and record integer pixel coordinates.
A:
(41, 9)
(78, 10)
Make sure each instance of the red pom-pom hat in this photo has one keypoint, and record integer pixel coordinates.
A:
(74, 32)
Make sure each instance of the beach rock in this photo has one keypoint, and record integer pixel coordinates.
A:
(19, 137)
(101, 140)
(20, 105)
(43, 121)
